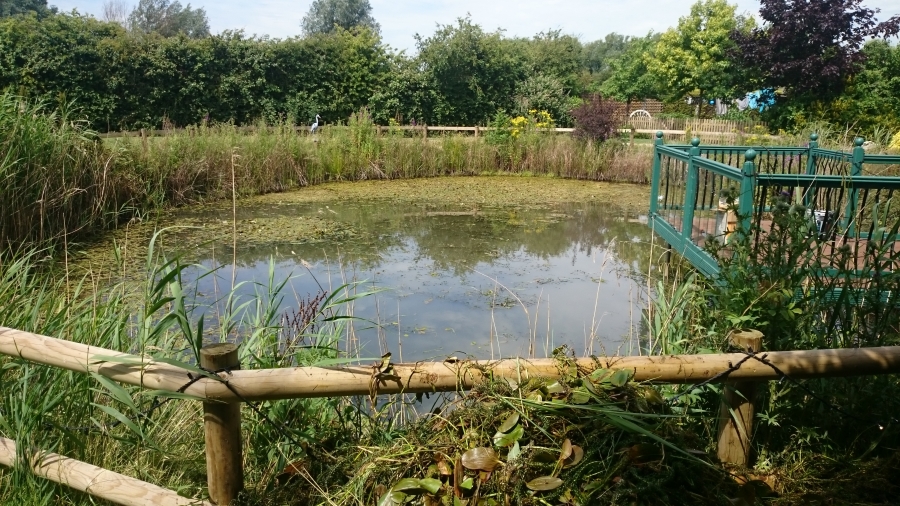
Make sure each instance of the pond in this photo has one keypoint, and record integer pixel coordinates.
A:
(477, 267)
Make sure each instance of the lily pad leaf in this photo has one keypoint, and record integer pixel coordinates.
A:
(431, 485)
(392, 498)
(566, 450)
(575, 458)
(514, 452)
(555, 388)
(544, 483)
(620, 377)
(506, 440)
(480, 459)
(408, 486)
(509, 423)
(580, 395)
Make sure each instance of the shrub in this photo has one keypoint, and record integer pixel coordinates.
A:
(596, 119)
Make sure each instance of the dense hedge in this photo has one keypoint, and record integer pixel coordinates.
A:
(122, 81)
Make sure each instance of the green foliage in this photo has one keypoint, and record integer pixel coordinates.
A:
(597, 55)
(556, 55)
(325, 16)
(16, 7)
(472, 73)
(629, 77)
(692, 59)
(168, 19)
(122, 82)
(543, 92)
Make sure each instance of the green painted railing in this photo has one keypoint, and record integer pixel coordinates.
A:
(849, 196)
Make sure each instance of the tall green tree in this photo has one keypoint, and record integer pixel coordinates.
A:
(14, 7)
(693, 58)
(597, 55)
(474, 73)
(871, 98)
(326, 15)
(556, 55)
(169, 19)
(630, 78)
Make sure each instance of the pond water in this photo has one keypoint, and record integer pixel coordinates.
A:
(484, 281)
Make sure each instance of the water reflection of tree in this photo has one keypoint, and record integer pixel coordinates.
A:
(458, 238)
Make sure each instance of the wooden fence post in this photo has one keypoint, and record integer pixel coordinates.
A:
(476, 131)
(424, 130)
(738, 408)
(222, 424)
(144, 145)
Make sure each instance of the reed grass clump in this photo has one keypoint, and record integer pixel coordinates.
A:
(56, 177)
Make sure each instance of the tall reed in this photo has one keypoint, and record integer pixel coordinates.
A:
(56, 177)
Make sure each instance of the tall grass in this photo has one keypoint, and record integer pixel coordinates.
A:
(60, 179)
(55, 176)
(802, 293)
(95, 420)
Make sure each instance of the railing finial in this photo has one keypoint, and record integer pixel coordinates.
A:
(695, 141)
(859, 141)
(659, 134)
(814, 137)
(750, 155)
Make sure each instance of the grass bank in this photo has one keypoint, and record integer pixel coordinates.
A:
(61, 179)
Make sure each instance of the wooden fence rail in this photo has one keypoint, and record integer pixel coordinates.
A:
(94, 480)
(223, 429)
(715, 129)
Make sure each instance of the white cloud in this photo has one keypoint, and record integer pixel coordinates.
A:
(401, 19)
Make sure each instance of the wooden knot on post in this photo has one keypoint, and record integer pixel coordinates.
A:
(738, 407)
(222, 425)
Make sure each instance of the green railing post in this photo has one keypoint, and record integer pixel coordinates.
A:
(654, 179)
(810, 168)
(748, 186)
(690, 192)
(856, 170)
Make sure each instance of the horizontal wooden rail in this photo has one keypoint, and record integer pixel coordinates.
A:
(96, 481)
(301, 382)
(476, 130)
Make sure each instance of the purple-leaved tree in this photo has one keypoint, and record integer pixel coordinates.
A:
(809, 48)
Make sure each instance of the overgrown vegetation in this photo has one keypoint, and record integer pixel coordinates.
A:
(788, 279)
(61, 179)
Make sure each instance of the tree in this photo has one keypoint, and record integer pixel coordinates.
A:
(14, 7)
(872, 96)
(809, 48)
(474, 74)
(557, 55)
(692, 59)
(116, 11)
(325, 15)
(596, 56)
(169, 19)
(629, 78)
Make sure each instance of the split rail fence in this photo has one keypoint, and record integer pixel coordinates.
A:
(673, 128)
(222, 395)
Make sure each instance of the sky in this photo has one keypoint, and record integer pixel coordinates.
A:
(401, 20)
